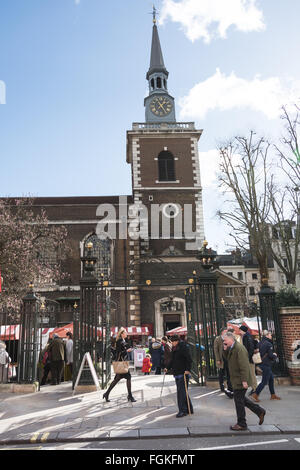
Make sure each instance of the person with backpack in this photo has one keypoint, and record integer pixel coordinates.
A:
(157, 354)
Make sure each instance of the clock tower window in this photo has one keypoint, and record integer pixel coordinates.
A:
(166, 167)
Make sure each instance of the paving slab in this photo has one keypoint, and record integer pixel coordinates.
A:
(164, 432)
(264, 429)
(124, 434)
(289, 428)
(202, 431)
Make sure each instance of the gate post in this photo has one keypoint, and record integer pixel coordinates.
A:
(86, 321)
(270, 321)
(29, 344)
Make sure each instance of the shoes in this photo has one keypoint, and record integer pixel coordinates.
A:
(255, 397)
(180, 415)
(106, 397)
(222, 389)
(262, 417)
(130, 398)
(228, 393)
(275, 397)
(237, 427)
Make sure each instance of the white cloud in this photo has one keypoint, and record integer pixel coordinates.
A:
(208, 19)
(230, 92)
(77, 2)
(209, 168)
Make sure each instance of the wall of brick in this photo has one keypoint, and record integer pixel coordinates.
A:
(290, 329)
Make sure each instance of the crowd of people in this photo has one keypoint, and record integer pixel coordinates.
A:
(234, 354)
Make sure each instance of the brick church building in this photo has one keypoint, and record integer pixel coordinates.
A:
(152, 235)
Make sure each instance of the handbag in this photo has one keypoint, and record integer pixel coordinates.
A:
(256, 358)
(120, 367)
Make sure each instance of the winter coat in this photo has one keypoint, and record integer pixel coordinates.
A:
(167, 353)
(218, 350)
(181, 360)
(239, 366)
(146, 364)
(121, 350)
(266, 351)
(57, 350)
(249, 345)
(157, 354)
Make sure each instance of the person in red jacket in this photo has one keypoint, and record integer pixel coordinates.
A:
(147, 364)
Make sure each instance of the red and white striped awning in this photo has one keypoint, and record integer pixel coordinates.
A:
(132, 330)
(9, 332)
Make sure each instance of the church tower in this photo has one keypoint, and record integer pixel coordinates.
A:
(166, 185)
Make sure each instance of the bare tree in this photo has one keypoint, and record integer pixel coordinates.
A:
(263, 203)
(245, 179)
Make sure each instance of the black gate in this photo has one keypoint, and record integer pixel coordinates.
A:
(92, 325)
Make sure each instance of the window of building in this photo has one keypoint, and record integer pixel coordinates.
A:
(166, 167)
(158, 82)
(229, 274)
(101, 250)
(229, 291)
(240, 276)
(254, 275)
(251, 291)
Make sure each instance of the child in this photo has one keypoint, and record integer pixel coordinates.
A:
(147, 365)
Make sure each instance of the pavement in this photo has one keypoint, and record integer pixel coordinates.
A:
(55, 414)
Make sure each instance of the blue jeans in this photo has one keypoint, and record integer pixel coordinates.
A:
(267, 379)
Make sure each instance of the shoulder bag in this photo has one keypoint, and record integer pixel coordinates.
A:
(120, 367)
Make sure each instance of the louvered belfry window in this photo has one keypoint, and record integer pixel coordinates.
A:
(166, 168)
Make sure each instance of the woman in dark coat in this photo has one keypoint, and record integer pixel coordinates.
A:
(268, 358)
(122, 348)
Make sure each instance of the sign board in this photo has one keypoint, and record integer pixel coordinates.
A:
(138, 357)
(87, 358)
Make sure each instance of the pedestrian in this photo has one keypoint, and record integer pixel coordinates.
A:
(122, 350)
(249, 344)
(180, 365)
(4, 363)
(46, 361)
(146, 368)
(268, 357)
(57, 356)
(240, 376)
(167, 345)
(222, 364)
(69, 351)
(157, 355)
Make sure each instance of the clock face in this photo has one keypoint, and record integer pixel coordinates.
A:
(161, 106)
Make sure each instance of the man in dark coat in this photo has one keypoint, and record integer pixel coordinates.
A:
(248, 342)
(240, 376)
(157, 355)
(180, 364)
(57, 355)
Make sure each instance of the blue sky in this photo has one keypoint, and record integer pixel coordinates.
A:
(72, 81)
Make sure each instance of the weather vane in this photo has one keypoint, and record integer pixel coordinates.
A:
(154, 12)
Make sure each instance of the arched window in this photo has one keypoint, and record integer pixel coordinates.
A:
(102, 251)
(158, 82)
(166, 168)
(152, 83)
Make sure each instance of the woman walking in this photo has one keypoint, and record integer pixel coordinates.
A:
(268, 358)
(122, 348)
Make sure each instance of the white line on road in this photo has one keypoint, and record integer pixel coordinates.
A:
(297, 439)
(243, 445)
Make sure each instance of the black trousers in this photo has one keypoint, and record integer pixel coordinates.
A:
(222, 373)
(56, 371)
(47, 368)
(181, 395)
(241, 401)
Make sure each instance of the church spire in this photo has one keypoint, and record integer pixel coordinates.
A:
(159, 104)
(156, 58)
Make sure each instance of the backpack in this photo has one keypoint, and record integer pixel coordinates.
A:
(3, 356)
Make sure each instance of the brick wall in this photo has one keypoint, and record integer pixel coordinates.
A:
(290, 330)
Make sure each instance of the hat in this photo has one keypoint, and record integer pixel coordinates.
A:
(55, 336)
(244, 328)
(175, 338)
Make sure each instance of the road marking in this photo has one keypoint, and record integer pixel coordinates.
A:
(243, 445)
(297, 439)
(45, 437)
(34, 437)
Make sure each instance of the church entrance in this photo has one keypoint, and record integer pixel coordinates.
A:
(171, 321)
